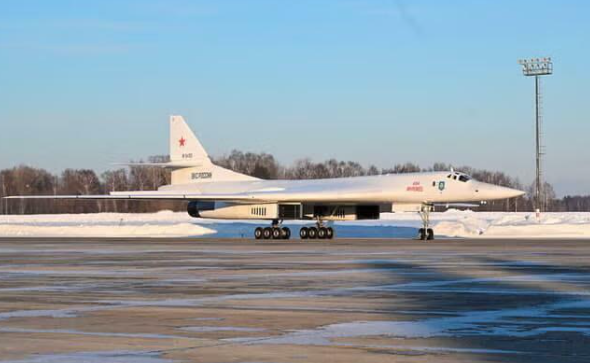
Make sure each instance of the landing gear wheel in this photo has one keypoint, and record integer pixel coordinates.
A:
(322, 233)
(276, 233)
(429, 234)
(258, 233)
(267, 233)
(285, 233)
(304, 233)
(422, 234)
(329, 233)
(312, 233)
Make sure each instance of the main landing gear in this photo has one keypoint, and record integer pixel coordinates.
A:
(319, 232)
(425, 233)
(273, 232)
(278, 232)
(316, 232)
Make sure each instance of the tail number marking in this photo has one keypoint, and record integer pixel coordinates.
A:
(203, 175)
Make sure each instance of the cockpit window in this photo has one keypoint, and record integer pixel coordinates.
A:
(464, 178)
(456, 175)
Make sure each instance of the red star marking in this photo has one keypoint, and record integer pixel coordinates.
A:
(181, 141)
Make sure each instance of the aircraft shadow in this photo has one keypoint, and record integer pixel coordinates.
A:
(489, 309)
(246, 230)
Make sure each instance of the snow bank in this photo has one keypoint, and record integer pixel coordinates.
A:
(162, 224)
(452, 223)
(510, 225)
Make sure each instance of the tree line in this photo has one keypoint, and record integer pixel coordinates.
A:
(26, 180)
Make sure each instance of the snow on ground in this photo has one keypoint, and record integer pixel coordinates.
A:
(452, 223)
(161, 224)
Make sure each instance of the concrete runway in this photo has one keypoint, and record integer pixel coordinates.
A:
(174, 300)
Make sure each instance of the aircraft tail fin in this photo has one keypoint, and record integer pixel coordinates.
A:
(184, 145)
(189, 160)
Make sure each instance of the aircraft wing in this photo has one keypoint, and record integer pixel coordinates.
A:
(138, 196)
(345, 194)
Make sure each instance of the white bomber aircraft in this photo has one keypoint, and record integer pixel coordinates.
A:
(215, 192)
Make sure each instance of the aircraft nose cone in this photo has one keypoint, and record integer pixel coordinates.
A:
(490, 192)
(511, 193)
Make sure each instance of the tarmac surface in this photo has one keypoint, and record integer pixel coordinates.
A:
(211, 300)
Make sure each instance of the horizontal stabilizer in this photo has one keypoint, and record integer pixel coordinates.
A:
(168, 165)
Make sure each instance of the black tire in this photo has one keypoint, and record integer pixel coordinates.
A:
(322, 233)
(330, 232)
(429, 234)
(286, 233)
(422, 234)
(303, 233)
(313, 233)
(258, 232)
(267, 233)
(276, 233)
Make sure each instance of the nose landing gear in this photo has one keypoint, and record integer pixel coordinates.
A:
(425, 233)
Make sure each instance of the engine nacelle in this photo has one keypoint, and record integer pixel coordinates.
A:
(195, 208)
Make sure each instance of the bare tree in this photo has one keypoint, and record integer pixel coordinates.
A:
(115, 180)
(81, 181)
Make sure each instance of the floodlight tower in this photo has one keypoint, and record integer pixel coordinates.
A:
(537, 67)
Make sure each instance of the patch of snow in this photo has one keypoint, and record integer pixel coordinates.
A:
(206, 329)
(209, 319)
(311, 273)
(212, 299)
(55, 288)
(435, 349)
(57, 313)
(472, 323)
(98, 334)
(94, 357)
(66, 313)
(65, 272)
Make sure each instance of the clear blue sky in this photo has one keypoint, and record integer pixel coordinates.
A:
(85, 84)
